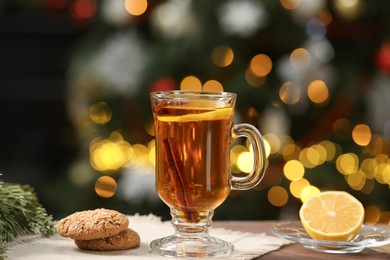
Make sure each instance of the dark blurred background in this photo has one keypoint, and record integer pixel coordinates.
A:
(313, 76)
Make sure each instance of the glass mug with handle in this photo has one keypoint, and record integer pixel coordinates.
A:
(194, 131)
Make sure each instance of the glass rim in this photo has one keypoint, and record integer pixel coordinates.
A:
(192, 93)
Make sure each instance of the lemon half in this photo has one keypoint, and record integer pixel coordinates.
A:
(332, 215)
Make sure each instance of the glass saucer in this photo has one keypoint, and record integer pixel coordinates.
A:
(369, 236)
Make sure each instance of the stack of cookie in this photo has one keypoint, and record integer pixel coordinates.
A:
(99, 229)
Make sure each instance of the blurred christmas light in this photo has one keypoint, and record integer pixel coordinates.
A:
(325, 16)
(308, 9)
(321, 152)
(297, 186)
(243, 17)
(293, 170)
(120, 62)
(173, 18)
(290, 4)
(356, 180)
(322, 51)
(277, 196)
(383, 57)
(107, 155)
(304, 157)
(105, 187)
(289, 93)
(100, 113)
(222, 56)
(267, 148)
(311, 157)
(300, 58)
(368, 167)
(347, 163)
(83, 9)
(330, 149)
(382, 175)
(114, 12)
(309, 191)
(261, 65)
(372, 214)
(245, 162)
(318, 92)
(142, 155)
(273, 141)
(191, 83)
(234, 153)
(136, 7)
(212, 85)
(315, 29)
(361, 134)
(349, 9)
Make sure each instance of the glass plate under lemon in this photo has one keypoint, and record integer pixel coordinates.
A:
(368, 236)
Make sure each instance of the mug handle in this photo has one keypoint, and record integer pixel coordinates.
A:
(259, 164)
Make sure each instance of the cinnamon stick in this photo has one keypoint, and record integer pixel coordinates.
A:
(175, 168)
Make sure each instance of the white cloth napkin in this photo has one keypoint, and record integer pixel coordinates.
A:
(149, 227)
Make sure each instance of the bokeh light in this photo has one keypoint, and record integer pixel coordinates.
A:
(273, 142)
(372, 214)
(222, 56)
(356, 180)
(318, 92)
(191, 83)
(100, 113)
(83, 9)
(245, 161)
(347, 163)
(349, 9)
(361, 134)
(261, 65)
(136, 7)
(293, 170)
(290, 4)
(277, 196)
(289, 93)
(213, 85)
(297, 186)
(105, 187)
(309, 191)
(300, 58)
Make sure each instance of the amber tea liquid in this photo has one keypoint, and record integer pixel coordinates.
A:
(193, 147)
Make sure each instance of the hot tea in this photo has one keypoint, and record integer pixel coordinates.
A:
(194, 131)
(192, 170)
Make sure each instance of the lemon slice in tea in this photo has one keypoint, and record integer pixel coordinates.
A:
(214, 114)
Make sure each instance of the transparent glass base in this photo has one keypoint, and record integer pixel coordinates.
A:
(194, 246)
(191, 240)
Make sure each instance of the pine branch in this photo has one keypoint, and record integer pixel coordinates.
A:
(21, 214)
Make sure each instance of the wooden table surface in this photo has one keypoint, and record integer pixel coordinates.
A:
(297, 251)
